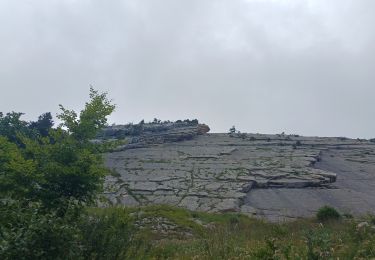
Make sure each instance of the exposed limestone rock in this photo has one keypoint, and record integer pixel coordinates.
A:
(362, 225)
(164, 227)
(212, 172)
(144, 135)
(271, 176)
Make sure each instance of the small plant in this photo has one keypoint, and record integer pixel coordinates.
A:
(232, 130)
(156, 121)
(271, 250)
(327, 213)
(318, 244)
(234, 220)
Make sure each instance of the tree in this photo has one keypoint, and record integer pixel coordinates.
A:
(11, 126)
(43, 125)
(59, 167)
(18, 176)
(46, 178)
(90, 120)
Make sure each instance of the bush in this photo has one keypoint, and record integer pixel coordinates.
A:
(319, 244)
(232, 130)
(108, 234)
(28, 232)
(327, 213)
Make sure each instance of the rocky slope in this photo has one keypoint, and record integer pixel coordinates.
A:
(147, 134)
(277, 177)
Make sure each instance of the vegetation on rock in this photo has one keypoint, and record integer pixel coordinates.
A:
(327, 213)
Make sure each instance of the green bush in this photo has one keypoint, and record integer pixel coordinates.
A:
(27, 231)
(108, 234)
(327, 213)
(319, 244)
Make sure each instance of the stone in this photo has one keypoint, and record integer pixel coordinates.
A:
(145, 134)
(248, 210)
(227, 205)
(262, 175)
(362, 225)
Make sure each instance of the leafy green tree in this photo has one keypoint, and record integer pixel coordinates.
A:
(61, 167)
(43, 125)
(90, 120)
(18, 176)
(11, 126)
(47, 175)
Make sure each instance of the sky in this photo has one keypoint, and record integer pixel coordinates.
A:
(266, 66)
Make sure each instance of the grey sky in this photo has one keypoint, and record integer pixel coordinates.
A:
(302, 66)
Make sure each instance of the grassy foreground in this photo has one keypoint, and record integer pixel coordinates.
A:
(163, 232)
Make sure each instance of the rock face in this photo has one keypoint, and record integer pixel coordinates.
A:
(278, 177)
(144, 135)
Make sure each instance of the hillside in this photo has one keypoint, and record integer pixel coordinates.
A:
(276, 177)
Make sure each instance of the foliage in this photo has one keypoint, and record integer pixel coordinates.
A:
(221, 236)
(43, 125)
(318, 244)
(232, 130)
(27, 231)
(46, 177)
(327, 213)
(118, 233)
(90, 120)
(108, 234)
(18, 176)
(60, 167)
(11, 126)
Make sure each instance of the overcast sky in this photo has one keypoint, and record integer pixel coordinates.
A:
(267, 66)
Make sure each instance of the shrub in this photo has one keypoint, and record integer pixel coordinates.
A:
(27, 231)
(319, 244)
(108, 234)
(232, 130)
(327, 213)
